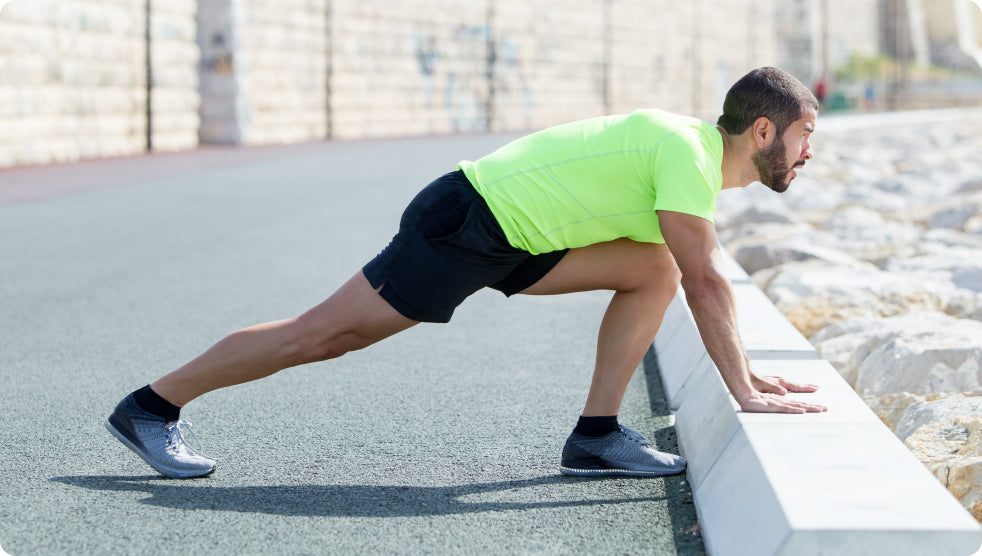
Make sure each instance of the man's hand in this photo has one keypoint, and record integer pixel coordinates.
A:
(768, 397)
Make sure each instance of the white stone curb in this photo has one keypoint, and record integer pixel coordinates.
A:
(836, 483)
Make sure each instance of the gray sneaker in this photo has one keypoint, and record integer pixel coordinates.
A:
(622, 452)
(159, 442)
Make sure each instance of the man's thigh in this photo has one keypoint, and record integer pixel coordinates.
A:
(619, 265)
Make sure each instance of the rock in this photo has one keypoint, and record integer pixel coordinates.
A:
(759, 246)
(734, 237)
(965, 304)
(936, 443)
(846, 219)
(965, 483)
(943, 360)
(936, 241)
(865, 233)
(755, 257)
(963, 264)
(971, 186)
(814, 294)
(808, 195)
(951, 448)
(847, 344)
(948, 409)
(774, 213)
(954, 217)
(887, 196)
(880, 243)
(891, 407)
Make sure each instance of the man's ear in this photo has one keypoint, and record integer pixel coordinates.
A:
(764, 132)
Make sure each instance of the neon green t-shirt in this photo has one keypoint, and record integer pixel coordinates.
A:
(600, 179)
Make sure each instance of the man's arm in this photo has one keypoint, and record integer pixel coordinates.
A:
(693, 243)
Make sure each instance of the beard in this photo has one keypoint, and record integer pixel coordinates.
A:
(773, 168)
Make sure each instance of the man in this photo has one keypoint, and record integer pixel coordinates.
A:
(622, 203)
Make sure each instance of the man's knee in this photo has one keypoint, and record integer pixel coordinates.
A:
(658, 274)
(308, 343)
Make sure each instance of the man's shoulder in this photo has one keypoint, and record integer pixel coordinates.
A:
(668, 120)
(662, 128)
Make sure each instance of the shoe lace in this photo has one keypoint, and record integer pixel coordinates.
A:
(636, 437)
(175, 437)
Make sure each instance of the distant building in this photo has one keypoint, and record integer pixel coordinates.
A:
(955, 31)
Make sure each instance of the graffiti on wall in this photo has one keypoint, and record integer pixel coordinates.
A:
(452, 73)
(465, 71)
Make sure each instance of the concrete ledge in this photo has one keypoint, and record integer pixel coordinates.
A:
(833, 483)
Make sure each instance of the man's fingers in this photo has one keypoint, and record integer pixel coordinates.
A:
(772, 403)
(770, 385)
(800, 388)
(814, 408)
(781, 386)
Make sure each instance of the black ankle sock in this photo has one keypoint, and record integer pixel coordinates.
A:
(596, 426)
(151, 402)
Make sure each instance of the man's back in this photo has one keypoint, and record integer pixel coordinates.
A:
(600, 179)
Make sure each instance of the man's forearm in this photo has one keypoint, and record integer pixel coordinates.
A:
(714, 310)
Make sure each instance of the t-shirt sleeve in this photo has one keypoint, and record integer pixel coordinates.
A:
(685, 176)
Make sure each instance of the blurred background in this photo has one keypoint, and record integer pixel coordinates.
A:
(99, 78)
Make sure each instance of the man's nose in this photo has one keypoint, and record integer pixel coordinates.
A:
(806, 152)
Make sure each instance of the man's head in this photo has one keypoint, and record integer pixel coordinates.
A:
(781, 100)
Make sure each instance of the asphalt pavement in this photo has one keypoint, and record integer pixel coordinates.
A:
(444, 439)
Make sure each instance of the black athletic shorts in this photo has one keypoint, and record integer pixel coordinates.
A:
(449, 245)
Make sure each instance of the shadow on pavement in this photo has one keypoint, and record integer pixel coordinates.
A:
(335, 500)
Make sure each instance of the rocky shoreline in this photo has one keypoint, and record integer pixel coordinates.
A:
(875, 254)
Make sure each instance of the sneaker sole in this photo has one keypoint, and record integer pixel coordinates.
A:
(611, 471)
(172, 473)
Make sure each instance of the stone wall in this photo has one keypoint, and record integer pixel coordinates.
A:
(549, 62)
(439, 66)
(283, 82)
(73, 79)
(174, 59)
(74, 74)
(408, 68)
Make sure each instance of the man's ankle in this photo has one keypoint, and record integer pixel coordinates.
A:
(152, 403)
(596, 426)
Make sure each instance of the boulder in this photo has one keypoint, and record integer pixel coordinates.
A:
(867, 234)
(774, 213)
(891, 407)
(880, 243)
(814, 294)
(939, 240)
(853, 217)
(944, 360)
(734, 237)
(949, 443)
(965, 304)
(946, 410)
(955, 217)
(807, 195)
(848, 343)
(964, 266)
(758, 256)
(974, 224)
(890, 195)
(970, 186)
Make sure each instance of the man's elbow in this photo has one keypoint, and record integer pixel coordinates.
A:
(705, 284)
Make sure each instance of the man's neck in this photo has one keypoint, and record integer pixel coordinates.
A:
(738, 166)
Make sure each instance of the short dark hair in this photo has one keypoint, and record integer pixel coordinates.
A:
(765, 92)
